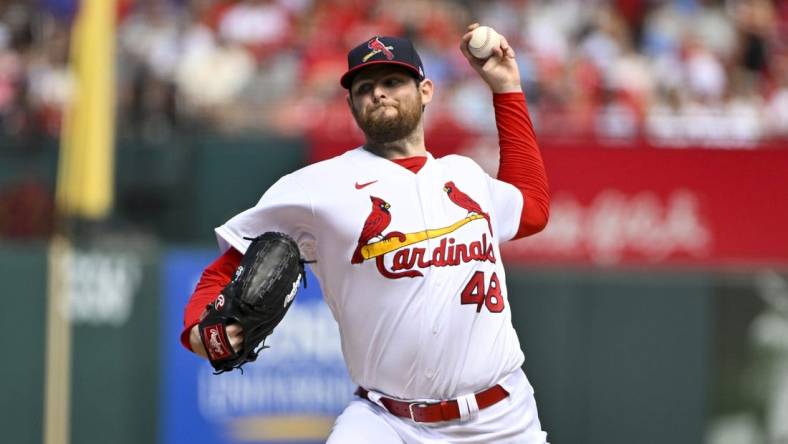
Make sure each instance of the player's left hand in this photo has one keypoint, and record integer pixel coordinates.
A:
(500, 70)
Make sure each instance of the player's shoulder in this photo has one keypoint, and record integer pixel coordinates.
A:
(459, 161)
(455, 158)
(328, 167)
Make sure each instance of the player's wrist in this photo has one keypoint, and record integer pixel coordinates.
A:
(507, 88)
(196, 343)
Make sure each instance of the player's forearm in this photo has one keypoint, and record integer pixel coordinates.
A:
(521, 162)
(212, 281)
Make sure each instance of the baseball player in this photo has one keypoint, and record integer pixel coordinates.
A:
(407, 254)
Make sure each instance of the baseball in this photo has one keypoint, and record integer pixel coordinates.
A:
(483, 40)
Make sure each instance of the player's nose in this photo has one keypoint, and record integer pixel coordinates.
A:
(379, 92)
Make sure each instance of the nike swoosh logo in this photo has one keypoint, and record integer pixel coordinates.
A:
(362, 185)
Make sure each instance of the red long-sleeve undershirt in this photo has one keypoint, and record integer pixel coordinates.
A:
(520, 165)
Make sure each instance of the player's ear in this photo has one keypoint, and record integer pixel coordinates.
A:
(349, 99)
(426, 89)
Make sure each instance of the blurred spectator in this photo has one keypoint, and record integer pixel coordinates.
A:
(11, 82)
(777, 107)
(261, 26)
(50, 82)
(148, 49)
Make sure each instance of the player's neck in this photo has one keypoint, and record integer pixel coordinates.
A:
(410, 146)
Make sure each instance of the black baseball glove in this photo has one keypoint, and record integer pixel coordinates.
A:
(257, 298)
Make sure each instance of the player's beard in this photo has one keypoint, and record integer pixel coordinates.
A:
(379, 127)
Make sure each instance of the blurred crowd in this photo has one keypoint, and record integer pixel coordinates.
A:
(672, 72)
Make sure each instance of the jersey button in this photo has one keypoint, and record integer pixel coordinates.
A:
(435, 330)
(429, 373)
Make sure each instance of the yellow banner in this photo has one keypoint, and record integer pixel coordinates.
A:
(85, 182)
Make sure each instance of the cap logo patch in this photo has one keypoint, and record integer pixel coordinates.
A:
(377, 47)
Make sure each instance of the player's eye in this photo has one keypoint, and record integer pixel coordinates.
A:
(393, 81)
(363, 88)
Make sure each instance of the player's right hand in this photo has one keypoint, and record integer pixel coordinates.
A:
(500, 71)
(234, 333)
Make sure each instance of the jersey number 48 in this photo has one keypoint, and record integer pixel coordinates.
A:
(475, 293)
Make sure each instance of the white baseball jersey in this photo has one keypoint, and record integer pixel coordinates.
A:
(408, 263)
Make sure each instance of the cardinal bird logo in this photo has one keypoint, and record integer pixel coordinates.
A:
(377, 221)
(462, 200)
(377, 47)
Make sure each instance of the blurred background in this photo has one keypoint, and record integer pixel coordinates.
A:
(653, 309)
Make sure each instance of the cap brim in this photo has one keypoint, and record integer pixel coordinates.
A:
(347, 78)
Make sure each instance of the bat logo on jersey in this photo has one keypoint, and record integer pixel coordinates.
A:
(374, 244)
(377, 47)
